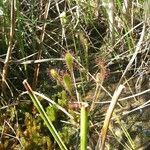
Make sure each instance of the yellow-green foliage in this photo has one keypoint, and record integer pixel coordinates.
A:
(67, 82)
(66, 134)
(52, 112)
(69, 61)
(62, 99)
(31, 137)
(55, 74)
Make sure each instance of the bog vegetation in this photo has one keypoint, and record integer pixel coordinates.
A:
(74, 74)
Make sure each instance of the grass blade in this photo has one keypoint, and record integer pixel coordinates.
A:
(83, 126)
(44, 116)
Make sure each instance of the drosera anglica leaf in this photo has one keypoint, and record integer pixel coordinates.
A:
(69, 61)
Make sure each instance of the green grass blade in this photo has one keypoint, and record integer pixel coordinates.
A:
(44, 116)
(83, 126)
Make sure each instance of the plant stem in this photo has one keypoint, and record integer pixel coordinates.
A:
(83, 126)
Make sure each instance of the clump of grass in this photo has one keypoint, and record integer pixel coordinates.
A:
(33, 37)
